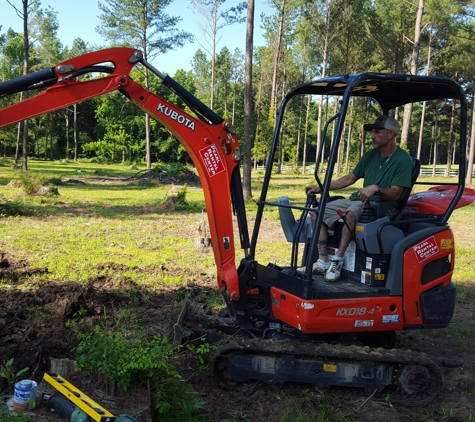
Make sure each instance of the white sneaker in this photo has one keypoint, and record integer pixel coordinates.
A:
(333, 273)
(319, 267)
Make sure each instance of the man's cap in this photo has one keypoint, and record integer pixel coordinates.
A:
(383, 122)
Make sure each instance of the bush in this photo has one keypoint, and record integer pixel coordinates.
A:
(30, 182)
(129, 360)
(13, 209)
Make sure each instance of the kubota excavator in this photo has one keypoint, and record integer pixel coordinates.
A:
(397, 273)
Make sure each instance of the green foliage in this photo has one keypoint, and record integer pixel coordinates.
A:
(17, 416)
(181, 195)
(30, 182)
(239, 415)
(13, 209)
(124, 360)
(128, 360)
(8, 372)
(202, 350)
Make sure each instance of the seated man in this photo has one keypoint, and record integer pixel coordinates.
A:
(386, 170)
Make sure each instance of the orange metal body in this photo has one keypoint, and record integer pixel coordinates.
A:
(385, 313)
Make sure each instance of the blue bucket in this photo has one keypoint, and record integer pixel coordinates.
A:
(25, 395)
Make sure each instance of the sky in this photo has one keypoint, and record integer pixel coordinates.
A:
(80, 18)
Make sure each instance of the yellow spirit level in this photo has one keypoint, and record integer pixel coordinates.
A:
(81, 400)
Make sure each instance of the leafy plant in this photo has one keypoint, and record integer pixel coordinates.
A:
(8, 372)
(239, 415)
(181, 195)
(16, 416)
(202, 352)
(129, 360)
(30, 182)
(13, 208)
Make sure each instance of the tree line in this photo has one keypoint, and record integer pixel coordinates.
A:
(304, 40)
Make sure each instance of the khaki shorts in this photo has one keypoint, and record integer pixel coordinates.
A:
(331, 216)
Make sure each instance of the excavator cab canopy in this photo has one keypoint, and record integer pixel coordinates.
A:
(384, 93)
(389, 90)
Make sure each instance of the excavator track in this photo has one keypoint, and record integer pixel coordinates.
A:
(401, 376)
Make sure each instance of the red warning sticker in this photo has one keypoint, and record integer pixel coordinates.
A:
(426, 249)
(212, 160)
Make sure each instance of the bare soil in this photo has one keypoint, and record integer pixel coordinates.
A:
(34, 317)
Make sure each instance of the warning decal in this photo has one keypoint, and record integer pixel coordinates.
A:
(426, 249)
(212, 160)
(447, 243)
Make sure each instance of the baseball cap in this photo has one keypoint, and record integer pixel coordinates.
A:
(383, 122)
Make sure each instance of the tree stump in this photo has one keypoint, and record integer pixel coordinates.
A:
(47, 190)
(64, 367)
(204, 241)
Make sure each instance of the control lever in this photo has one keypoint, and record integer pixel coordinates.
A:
(343, 217)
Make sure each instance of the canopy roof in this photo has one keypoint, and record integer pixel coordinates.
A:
(389, 90)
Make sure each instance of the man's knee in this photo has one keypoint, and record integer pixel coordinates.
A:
(350, 217)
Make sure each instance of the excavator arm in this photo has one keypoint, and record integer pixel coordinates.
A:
(210, 140)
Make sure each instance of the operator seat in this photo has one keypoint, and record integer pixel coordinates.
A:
(392, 209)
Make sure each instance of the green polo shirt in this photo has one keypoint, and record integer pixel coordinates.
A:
(385, 172)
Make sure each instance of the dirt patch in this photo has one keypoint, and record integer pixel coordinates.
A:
(37, 316)
(142, 177)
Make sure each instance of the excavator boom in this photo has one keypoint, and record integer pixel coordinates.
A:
(210, 140)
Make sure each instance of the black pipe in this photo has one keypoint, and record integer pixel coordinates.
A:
(191, 101)
(23, 83)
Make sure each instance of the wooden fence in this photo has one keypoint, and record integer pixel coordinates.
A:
(425, 171)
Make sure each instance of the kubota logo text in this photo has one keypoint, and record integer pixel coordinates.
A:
(174, 115)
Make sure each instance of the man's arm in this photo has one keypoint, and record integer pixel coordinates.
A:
(388, 194)
(340, 183)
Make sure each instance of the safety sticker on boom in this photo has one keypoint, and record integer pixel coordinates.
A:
(212, 160)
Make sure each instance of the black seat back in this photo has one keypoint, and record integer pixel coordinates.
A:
(416, 168)
(392, 209)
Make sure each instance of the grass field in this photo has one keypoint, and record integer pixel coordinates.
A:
(85, 224)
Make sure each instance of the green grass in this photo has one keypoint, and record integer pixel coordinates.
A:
(87, 225)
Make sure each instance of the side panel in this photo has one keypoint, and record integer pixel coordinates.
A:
(428, 267)
(338, 315)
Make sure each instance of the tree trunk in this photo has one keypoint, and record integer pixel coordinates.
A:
(247, 191)
(307, 116)
(275, 64)
(434, 137)
(67, 134)
(299, 134)
(75, 123)
(468, 179)
(26, 62)
(325, 51)
(213, 55)
(17, 149)
(414, 61)
(258, 121)
(423, 115)
(451, 140)
(148, 157)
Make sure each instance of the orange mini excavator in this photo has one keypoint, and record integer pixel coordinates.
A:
(398, 270)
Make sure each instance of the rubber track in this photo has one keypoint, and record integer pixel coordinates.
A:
(396, 358)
